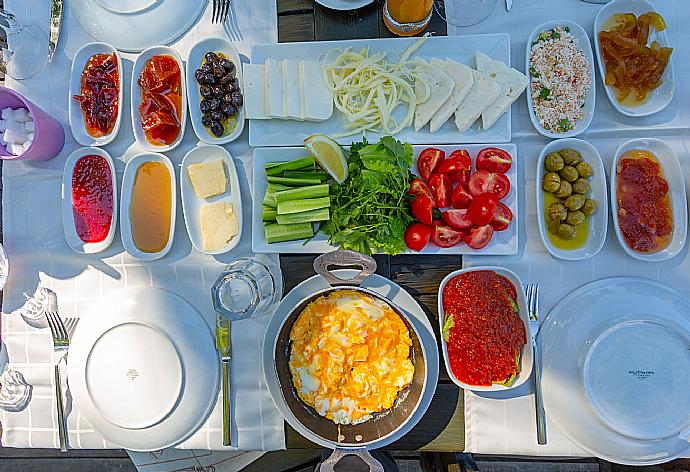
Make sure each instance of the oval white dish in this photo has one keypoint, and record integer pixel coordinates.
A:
(76, 117)
(661, 96)
(196, 56)
(136, 98)
(673, 174)
(527, 357)
(191, 203)
(126, 195)
(598, 221)
(585, 46)
(68, 226)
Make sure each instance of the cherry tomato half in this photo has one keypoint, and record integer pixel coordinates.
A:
(458, 219)
(422, 209)
(417, 235)
(479, 236)
(428, 161)
(494, 160)
(461, 197)
(483, 181)
(460, 177)
(445, 236)
(419, 187)
(502, 217)
(441, 189)
(482, 209)
(458, 161)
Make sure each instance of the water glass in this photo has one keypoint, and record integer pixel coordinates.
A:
(244, 289)
(468, 12)
(26, 50)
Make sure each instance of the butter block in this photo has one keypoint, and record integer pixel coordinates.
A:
(219, 225)
(208, 178)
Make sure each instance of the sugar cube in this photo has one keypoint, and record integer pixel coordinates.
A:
(16, 137)
(27, 144)
(3, 125)
(15, 149)
(22, 115)
(7, 114)
(30, 127)
(30, 136)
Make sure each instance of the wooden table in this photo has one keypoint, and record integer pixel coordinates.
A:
(442, 428)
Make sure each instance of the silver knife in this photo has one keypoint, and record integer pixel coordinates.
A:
(509, 4)
(55, 26)
(224, 347)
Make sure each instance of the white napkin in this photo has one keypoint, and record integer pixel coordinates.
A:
(38, 253)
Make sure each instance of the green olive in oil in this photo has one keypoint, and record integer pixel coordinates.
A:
(582, 230)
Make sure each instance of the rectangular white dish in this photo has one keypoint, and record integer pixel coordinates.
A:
(458, 48)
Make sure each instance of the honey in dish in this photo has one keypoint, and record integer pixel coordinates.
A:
(151, 205)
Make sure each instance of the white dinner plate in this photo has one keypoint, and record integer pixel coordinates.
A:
(191, 204)
(503, 242)
(597, 222)
(134, 25)
(143, 368)
(401, 298)
(344, 4)
(76, 116)
(673, 173)
(615, 363)
(585, 46)
(459, 48)
(662, 95)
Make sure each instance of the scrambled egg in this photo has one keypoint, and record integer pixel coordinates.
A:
(350, 356)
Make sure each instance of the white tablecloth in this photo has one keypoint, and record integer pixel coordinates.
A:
(507, 426)
(33, 238)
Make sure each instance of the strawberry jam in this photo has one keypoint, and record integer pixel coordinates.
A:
(92, 198)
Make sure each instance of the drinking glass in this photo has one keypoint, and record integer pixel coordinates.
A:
(26, 50)
(468, 12)
(244, 289)
(407, 17)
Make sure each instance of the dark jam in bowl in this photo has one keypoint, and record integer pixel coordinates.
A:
(92, 198)
(99, 94)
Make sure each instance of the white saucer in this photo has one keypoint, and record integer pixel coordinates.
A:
(615, 364)
(344, 4)
(143, 368)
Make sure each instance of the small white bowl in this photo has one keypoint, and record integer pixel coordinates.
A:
(598, 221)
(191, 204)
(585, 46)
(196, 56)
(136, 98)
(76, 117)
(527, 358)
(662, 95)
(673, 174)
(70, 230)
(126, 195)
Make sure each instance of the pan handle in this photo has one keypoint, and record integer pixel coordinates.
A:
(329, 464)
(344, 258)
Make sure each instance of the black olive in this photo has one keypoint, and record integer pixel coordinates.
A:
(212, 57)
(228, 65)
(205, 106)
(227, 98)
(207, 68)
(199, 75)
(227, 78)
(230, 87)
(218, 71)
(217, 129)
(229, 110)
(215, 103)
(218, 91)
(206, 119)
(205, 91)
(237, 99)
(217, 115)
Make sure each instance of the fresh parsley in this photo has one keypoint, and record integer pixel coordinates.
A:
(564, 125)
(544, 94)
(534, 72)
(370, 210)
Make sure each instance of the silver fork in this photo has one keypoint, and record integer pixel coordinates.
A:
(532, 293)
(233, 25)
(61, 335)
(220, 11)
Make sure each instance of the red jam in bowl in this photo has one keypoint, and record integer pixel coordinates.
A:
(92, 198)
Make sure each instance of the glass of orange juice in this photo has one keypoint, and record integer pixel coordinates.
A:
(407, 17)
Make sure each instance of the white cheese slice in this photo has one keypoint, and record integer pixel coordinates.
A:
(315, 97)
(462, 77)
(208, 178)
(219, 225)
(512, 83)
(274, 89)
(255, 92)
(482, 94)
(441, 86)
(291, 90)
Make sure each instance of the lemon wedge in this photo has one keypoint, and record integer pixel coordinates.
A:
(329, 155)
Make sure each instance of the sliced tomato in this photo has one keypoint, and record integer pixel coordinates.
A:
(460, 177)
(461, 197)
(445, 236)
(484, 181)
(419, 187)
(422, 209)
(458, 161)
(459, 219)
(417, 235)
(441, 189)
(479, 236)
(428, 161)
(494, 160)
(482, 209)
(502, 217)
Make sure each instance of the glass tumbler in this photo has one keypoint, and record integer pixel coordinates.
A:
(25, 52)
(407, 17)
(244, 289)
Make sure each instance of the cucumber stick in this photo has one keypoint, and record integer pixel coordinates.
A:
(307, 204)
(273, 168)
(269, 200)
(273, 188)
(269, 214)
(276, 233)
(312, 191)
(293, 181)
(322, 214)
(300, 174)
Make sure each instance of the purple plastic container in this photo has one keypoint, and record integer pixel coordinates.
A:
(49, 136)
